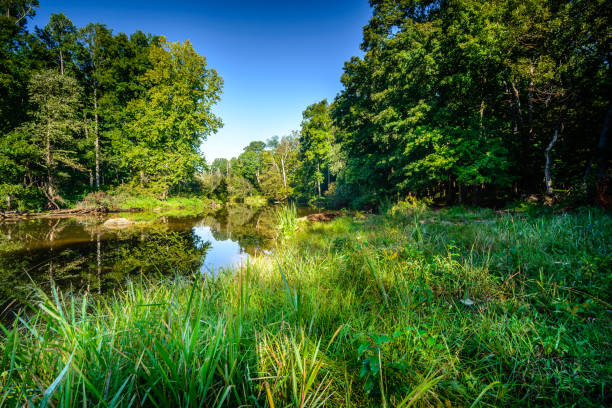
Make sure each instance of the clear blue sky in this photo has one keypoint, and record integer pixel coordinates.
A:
(276, 57)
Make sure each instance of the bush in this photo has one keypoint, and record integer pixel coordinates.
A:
(98, 199)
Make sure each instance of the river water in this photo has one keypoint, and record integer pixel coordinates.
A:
(82, 255)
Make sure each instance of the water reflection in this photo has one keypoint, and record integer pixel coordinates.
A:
(81, 255)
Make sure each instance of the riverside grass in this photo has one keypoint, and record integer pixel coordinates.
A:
(416, 307)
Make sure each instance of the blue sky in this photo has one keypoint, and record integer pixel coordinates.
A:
(276, 57)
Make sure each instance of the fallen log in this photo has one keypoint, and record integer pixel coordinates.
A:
(68, 212)
(324, 216)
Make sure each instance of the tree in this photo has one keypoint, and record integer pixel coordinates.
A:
(279, 166)
(60, 35)
(171, 120)
(450, 95)
(94, 38)
(14, 62)
(54, 126)
(315, 142)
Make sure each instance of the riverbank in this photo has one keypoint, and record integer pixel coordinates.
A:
(455, 307)
(105, 204)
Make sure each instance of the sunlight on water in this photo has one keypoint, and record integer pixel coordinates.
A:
(221, 253)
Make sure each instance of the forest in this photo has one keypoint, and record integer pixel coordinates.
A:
(458, 102)
(84, 109)
(436, 234)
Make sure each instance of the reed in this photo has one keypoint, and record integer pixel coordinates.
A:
(286, 220)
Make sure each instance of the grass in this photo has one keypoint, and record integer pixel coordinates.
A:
(150, 203)
(255, 201)
(286, 221)
(416, 307)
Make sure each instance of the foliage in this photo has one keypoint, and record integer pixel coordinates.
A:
(460, 99)
(315, 144)
(173, 117)
(87, 109)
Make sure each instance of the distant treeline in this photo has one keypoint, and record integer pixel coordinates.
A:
(465, 101)
(86, 108)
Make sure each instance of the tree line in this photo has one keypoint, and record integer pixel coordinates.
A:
(462, 101)
(459, 101)
(86, 108)
(471, 100)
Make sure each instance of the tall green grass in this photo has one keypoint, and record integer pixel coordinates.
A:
(286, 220)
(412, 308)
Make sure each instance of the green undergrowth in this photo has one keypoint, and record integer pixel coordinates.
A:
(255, 201)
(186, 204)
(417, 307)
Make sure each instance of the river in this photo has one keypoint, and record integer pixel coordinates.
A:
(81, 254)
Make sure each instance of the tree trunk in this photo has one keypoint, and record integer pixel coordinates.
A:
(318, 181)
(603, 143)
(547, 177)
(97, 141)
(48, 161)
(450, 198)
(284, 175)
(61, 55)
(530, 102)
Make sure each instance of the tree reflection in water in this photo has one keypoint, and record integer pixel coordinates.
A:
(80, 255)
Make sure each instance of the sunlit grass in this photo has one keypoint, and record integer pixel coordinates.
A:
(413, 308)
(286, 220)
(178, 205)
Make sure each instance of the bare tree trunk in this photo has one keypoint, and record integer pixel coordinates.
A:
(547, 177)
(318, 181)
(61, 55)
(284, 175)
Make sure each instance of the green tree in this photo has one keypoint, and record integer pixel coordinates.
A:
(315, 142)
(93, 60)
(54, 128)
(173, 117)
(60, 35)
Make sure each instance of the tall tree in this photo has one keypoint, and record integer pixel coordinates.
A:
(60, 35)
(315, 142)
(173, 117)
(94, 59)
(54, 127)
